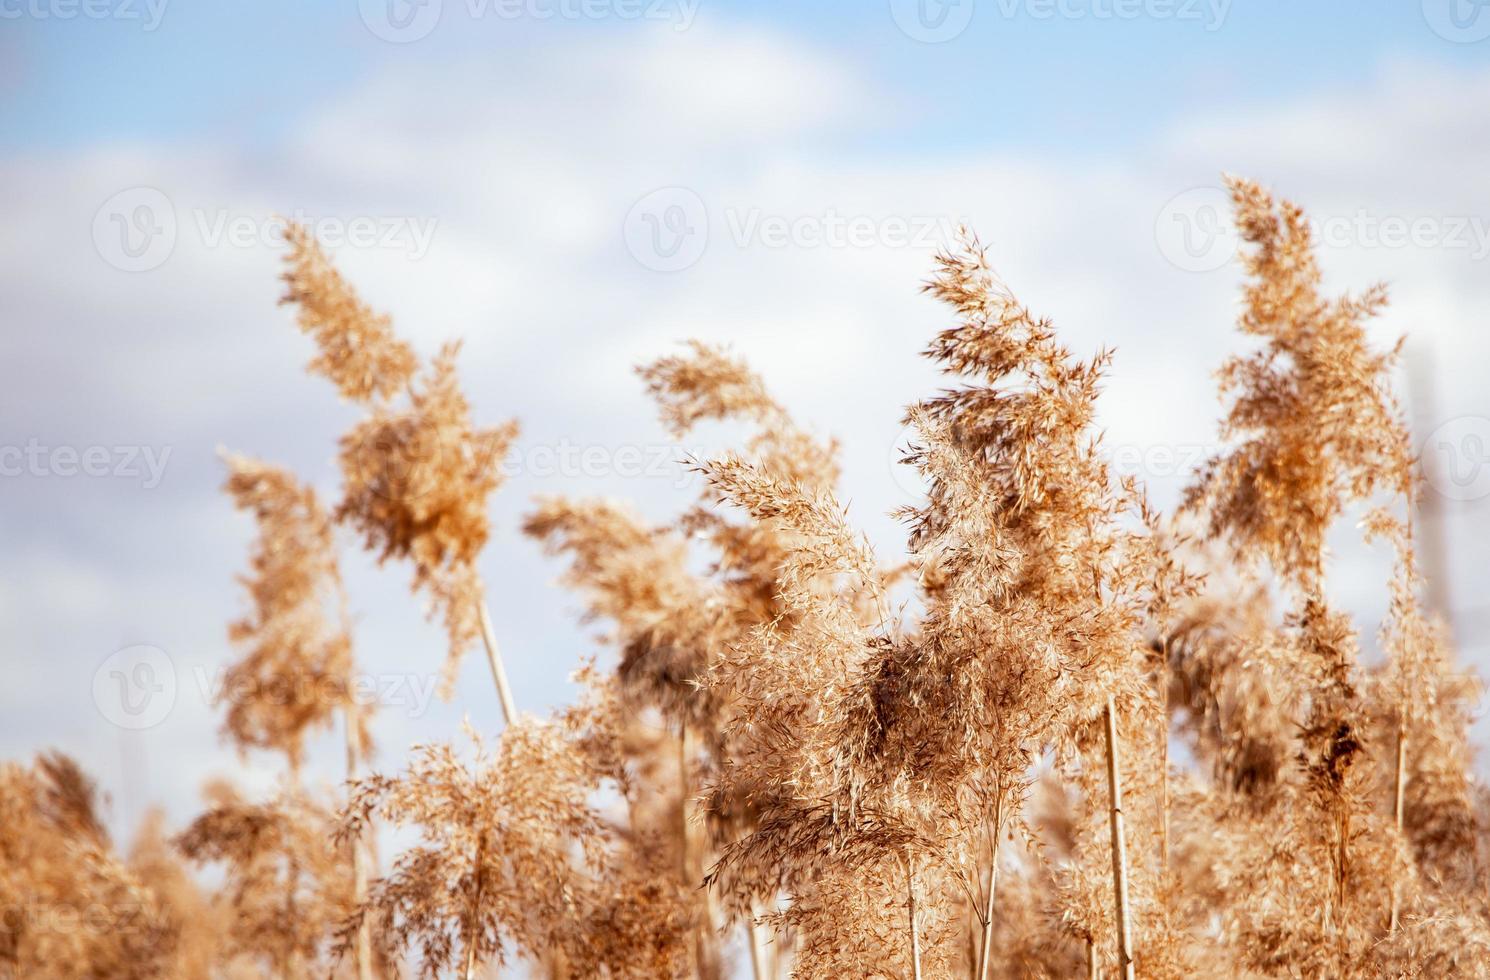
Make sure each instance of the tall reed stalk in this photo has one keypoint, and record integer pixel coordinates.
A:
(990, 886)
(759, 968)
(494, 659)
(1398, 806)
(362, 950)
(473, 924)
(1164, 756)
(1119, 846)
(910, 889)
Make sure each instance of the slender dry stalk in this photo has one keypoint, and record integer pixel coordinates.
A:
(759, 966)
(362, 948)
(1163, 685)
(915, 926)
(1119, 845)
(685, 853)
(704, 955)
(494, 660)
(995, 838)
(470, 925)
(1399, 786)
(1422, 701)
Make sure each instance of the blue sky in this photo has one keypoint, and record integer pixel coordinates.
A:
(246, 71)
(506, 165)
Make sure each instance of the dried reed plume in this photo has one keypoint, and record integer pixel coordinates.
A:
(417, 473)
(297, 661)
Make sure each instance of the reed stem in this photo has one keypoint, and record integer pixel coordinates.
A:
(494, 658)
(1119, 847)
(1164, 755)
(1398, 808)
(910, 888)
(474, 925)
(757, 955)
(991, 885)
(363, 948)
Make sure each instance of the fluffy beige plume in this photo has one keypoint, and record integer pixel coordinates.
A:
(417, 472)
(359, 352)
(285, 887)
(514, 857)
(295, 670)
(72, 907)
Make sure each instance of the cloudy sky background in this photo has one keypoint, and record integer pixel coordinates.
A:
(574, 187)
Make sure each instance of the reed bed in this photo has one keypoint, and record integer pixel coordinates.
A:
(1063, 734)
